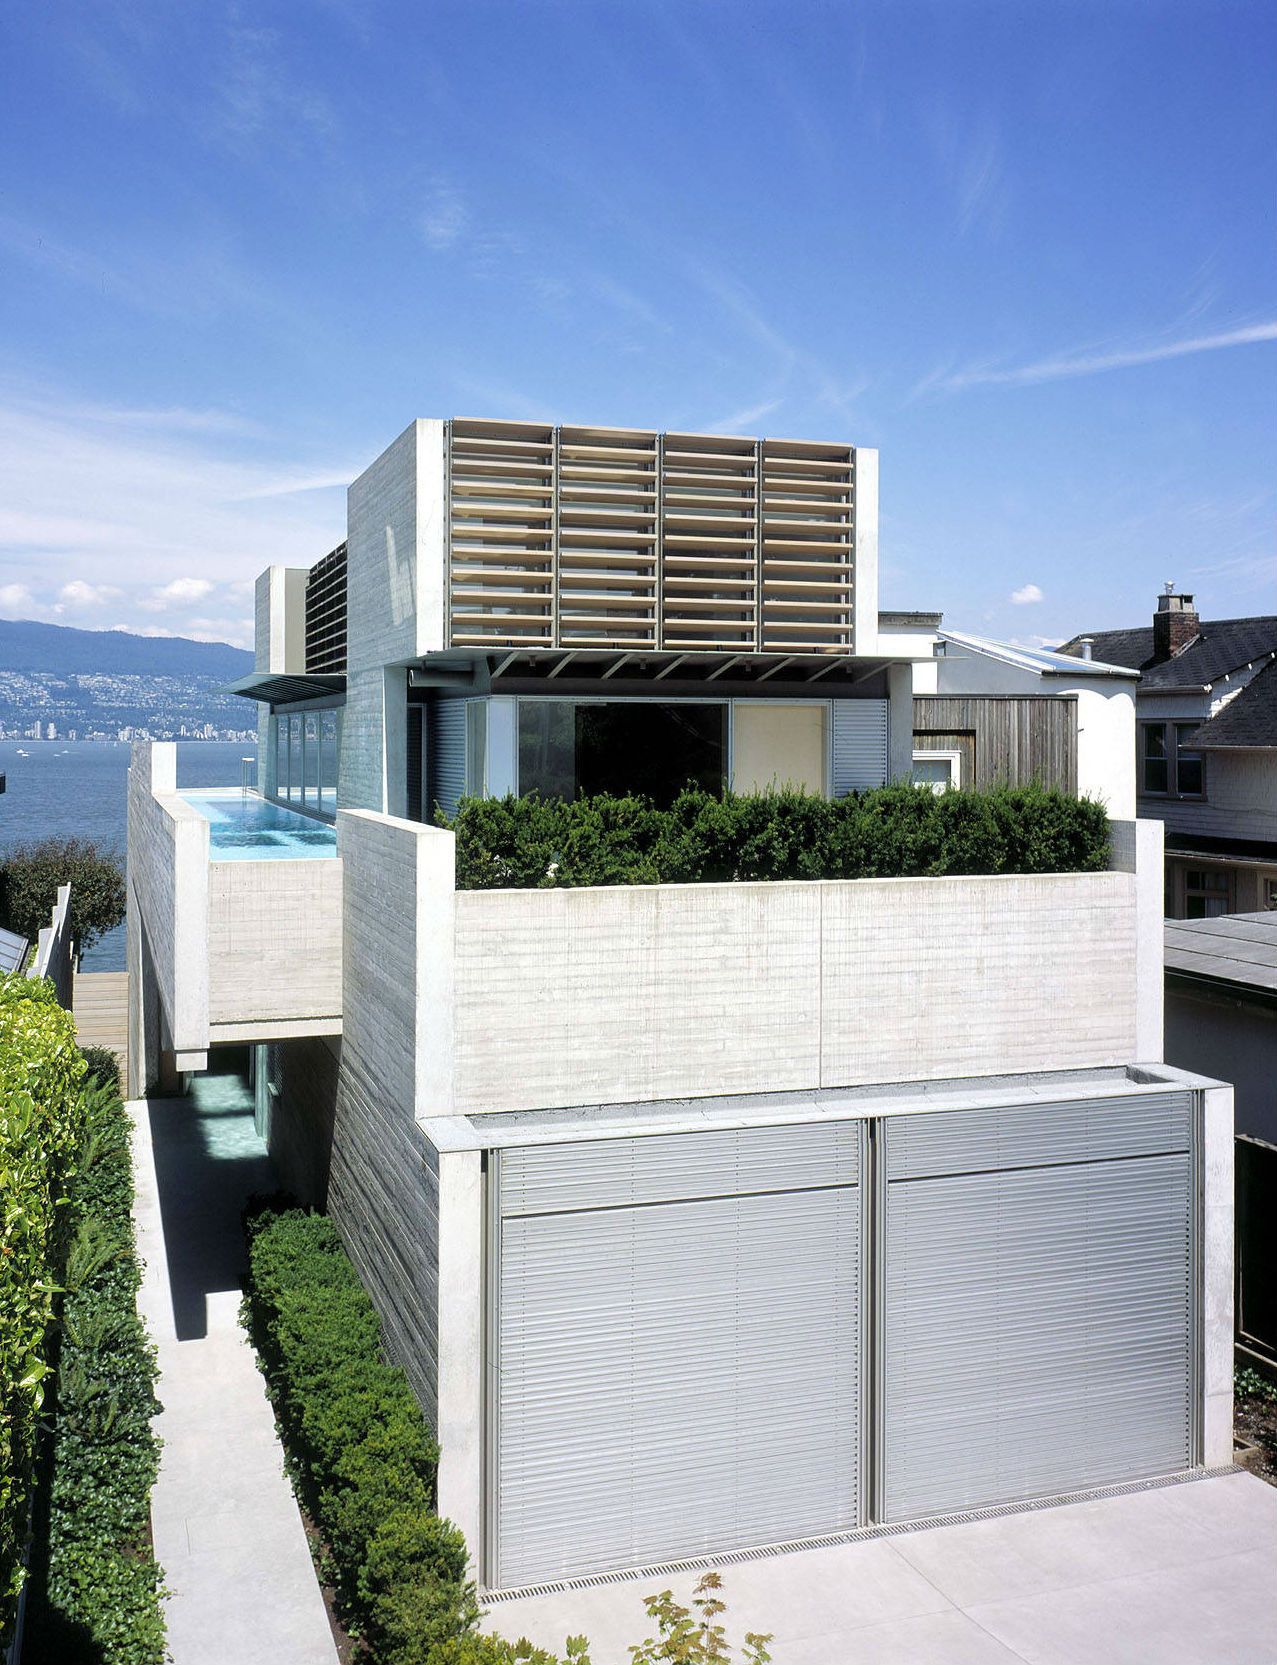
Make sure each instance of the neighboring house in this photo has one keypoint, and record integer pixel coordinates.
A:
(1221, 1015)
(1207, 750)
(701, 1216)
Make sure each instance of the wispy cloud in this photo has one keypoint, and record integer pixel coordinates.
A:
(1026, 595)
(180, 516)
(742, 421)
(445, 216)
(1091, 363)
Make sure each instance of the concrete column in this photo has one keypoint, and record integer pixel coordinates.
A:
(865, 539)
(460, 1406)
(900, 722)
(1217, 1277)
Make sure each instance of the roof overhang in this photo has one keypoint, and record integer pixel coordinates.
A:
(604, 665)
(286, 688)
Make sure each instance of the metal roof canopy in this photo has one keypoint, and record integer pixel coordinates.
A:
(13, 950)
(280, 688)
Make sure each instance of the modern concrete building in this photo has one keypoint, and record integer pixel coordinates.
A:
(701, 1216)
(1221, 1017)
(1206, 763)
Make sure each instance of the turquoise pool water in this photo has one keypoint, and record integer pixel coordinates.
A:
(244, 827)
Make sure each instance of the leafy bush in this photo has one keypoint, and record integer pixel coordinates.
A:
(41, 1130)
(1249, 1383)
(98, 1602)
(31, 873)
(363, 1459)
(103, 1067)
(895, 832)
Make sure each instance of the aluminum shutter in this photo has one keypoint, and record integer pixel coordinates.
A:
(859, 745)
(678, 1347)
(1037, 1326)
(446, 754)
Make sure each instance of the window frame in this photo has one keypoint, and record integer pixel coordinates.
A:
(939, 754)
(1170, 729)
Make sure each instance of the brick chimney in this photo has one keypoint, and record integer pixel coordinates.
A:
(1175, 624)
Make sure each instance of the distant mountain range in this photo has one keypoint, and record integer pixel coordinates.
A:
(26, 645)
(63, 683)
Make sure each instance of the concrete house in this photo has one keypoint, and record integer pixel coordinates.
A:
(701, 1216)
(1206, 764)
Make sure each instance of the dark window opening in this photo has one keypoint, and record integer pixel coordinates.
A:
(569, 750)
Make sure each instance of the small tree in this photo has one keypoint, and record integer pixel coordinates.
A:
(31, 873)
(693, 1635)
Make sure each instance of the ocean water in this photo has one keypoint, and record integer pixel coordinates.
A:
(77, 789)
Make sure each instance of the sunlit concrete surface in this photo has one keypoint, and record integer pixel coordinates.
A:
(226, 1526)
(1178, 1575)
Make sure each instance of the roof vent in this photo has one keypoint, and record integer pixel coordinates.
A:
(1084, 646)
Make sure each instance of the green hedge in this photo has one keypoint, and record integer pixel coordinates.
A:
(41, 1130)
(98, 1601)
(892, 833)
(361, 1455)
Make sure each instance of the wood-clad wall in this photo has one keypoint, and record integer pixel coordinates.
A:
(1007, 741)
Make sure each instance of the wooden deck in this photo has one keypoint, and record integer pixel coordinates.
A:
(100, 1006)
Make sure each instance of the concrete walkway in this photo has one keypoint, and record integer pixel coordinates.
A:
(226, 1527)
(1182, 1575)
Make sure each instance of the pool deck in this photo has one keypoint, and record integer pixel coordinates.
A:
(225, 1523)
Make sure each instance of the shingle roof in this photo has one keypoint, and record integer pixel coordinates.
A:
(1249, 718)
(1221, 646)
(1239, 948)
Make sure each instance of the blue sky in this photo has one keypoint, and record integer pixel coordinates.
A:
(1027, 250)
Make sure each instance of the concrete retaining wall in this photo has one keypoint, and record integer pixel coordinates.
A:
(274, 947)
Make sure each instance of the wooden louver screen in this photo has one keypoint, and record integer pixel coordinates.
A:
(615, 538)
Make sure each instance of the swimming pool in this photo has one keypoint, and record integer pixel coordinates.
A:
(244, 827)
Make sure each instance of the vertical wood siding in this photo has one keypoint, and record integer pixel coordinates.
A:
(1007, 741)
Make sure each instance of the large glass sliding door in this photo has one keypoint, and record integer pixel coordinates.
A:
(307, 744)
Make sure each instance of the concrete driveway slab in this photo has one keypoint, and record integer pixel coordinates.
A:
(1181, 1574)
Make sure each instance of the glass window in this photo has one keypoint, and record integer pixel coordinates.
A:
(1188, 762)
(328, 762)
(310, 759)
(573, 749)
(476, 747)
(547, 748)
(938, 770)
(1156, 771)
(295, 760)
(1207, 893)
(281, 757)
(1270, 894)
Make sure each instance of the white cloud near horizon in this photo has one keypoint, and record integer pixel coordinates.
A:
(1026, 595)
(96, 510)
(1093, 363)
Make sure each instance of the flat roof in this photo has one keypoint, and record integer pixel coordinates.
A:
(494, 1129)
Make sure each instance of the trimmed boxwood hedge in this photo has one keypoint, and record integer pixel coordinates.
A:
(361, 1456)
(97, 1588)
(41, 1129)
(895, 832)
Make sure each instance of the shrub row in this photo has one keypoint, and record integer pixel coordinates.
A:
(361, 1455)
(41, 1129)
(895, 832)
(99, 1599)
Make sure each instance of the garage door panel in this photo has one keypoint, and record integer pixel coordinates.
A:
(1038, 1322)
(677, 1379)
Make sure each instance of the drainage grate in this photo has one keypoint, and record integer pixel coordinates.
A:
(855, 1535)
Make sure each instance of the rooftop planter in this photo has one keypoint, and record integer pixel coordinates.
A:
(896, 832)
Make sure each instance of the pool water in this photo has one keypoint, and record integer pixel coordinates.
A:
(244, 827)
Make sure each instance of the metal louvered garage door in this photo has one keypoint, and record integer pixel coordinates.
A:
(678, 1347)
(1037, 1328)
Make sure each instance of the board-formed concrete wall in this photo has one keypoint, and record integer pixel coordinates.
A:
(168, 848)
(274, 946)
(383, 1190)
(302, 1077)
